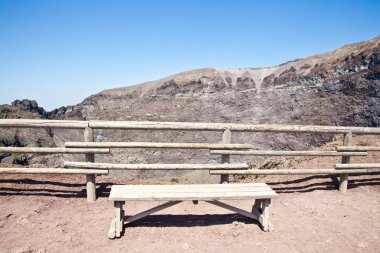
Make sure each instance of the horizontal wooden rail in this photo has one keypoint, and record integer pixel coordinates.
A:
(287, 172)
(35, 123)
(54, 150)
(358, 166)
(145, 125)
(285, 153)
(151, 125)
(155, 145)
(358, 148)
(115, 166)
(50, 171)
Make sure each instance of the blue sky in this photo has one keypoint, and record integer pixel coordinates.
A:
(60, 52)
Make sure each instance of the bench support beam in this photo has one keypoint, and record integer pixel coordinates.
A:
(117, 224)
(261, 209)
(151, 211)
(118, 221)
(234, 209)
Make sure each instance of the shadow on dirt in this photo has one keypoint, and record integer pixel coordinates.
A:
(190, 220)
(30, 187)
(326, 182)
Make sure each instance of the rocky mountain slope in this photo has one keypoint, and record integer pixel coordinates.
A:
(341, 87)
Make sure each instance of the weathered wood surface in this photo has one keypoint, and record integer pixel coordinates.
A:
(358, 166)
(112, 230)
(36, 123)
(144, 125)
(358, 148)
(150, 211)
(191, 192)
(155, 145)
(285, 153)
(51, 171)
(343, 178)
(90, 158)
(288, 172)
(116, 166)
(265, 214)
(197, 187)
(141, 125)
(233, 209)
(119, 218)
(226, 139)
(43, 150)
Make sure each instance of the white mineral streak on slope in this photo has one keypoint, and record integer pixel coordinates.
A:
(330, 60)
(256, 74)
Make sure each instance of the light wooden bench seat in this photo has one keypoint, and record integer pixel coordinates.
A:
(175, 194)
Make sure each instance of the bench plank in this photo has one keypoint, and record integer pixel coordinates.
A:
(197, 186)
(191, 192)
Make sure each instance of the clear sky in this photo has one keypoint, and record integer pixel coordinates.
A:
(60, 52)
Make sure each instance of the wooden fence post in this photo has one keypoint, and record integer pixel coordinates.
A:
(226, 158)
(90, 179)
(343, 179)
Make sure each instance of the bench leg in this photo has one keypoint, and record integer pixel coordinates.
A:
(119, 217)
(112, 231)
(265, 213)
(117, 223)
(257, 205)
(261, 209)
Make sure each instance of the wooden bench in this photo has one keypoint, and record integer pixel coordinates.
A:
(174, 194)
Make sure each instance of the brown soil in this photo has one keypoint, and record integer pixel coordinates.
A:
(50, 214)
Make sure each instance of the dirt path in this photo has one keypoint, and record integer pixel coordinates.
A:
(50, 214)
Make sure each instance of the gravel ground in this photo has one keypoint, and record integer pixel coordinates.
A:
(49, 213)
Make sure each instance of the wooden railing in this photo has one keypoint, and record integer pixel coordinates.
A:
(225, 149)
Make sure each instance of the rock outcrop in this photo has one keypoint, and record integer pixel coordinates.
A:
(25, 109)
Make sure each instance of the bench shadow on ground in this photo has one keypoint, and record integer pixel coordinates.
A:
(46, 188)
(190, 220)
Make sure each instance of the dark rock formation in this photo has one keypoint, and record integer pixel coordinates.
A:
(30, 106)
(10, 137)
